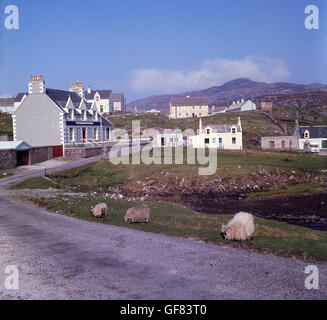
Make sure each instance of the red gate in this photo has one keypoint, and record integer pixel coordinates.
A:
(58, 151)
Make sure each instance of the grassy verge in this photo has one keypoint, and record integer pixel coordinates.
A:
(104, 174)
(174, 220)
(5, 175)
(292, 189)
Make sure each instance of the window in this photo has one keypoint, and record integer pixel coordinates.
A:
(208, 131)
(71, 134)
(271, 144)
(233, 130)
(186, 115)
(206, 141)
(107, 134)
(200, 114)
(306, 134)
(95, 134)
(233, 140)
(101, 108)
(71, 114)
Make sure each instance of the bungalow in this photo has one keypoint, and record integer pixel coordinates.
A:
(50, 117)
(218, 136)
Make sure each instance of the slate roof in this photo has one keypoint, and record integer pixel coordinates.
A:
(60, 97)
(184, 101)
(223, 128)
(315, 132)
(20, 96)
(15, 145)
(118, 97)
(6, 102)
(104, 94)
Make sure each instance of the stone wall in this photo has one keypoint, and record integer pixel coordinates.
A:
(82, 152)
(282, 143)
(8, 159)
(41, 154)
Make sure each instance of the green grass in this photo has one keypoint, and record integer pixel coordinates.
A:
(292, 189)
(104, 174)
(174, 220)
(5, 175)
(6, 125)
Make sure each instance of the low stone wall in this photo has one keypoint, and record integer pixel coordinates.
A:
(82, 152)
(41, 154)
(280, 143)
(8, 159)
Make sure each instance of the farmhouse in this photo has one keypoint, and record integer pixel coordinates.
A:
(7, 105)
(218, 136)
(119, 103)
(57, 118)
(103, 99)
(280, 143)
(167, 137)
(315, 135)
(187, 107)
(240, 106)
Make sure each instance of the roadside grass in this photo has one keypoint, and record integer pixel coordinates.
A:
(292, 189)
(5, 175)
(104, 174)
(5, 125)
(174, 220)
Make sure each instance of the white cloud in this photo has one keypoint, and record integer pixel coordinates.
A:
(211, 73)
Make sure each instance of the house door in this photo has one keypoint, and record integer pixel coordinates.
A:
(163, 141)
(84, 134)
(58, 151)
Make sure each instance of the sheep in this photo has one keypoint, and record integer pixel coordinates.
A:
(100, 211)
(138, 213)
(240, 228)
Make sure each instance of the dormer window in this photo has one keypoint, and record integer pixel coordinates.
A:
(71, 114)
(208, 131)
(306, 134)
(233, 130)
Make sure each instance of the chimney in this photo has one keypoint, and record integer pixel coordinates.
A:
(78, 88)
(36, 84)
(238, 101)
(233, 102)
(89, 89)
(242, 100)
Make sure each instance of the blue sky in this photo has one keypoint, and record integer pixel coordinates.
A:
(145, 47)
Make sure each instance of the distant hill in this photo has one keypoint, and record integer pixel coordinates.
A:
(232, 90)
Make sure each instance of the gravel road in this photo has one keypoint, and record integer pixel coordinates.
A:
(64, 258)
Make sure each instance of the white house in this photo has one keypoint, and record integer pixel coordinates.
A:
(314, 135)
(166, 137)
(119, 103)
(240, 106)
(153, 111)
(7, 105)
(103, 99)
(223, 136)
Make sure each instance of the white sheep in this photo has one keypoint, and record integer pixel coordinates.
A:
(240, 228)
(100, 211)
(138, 213)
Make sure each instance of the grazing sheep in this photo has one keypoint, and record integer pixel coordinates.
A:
(240, 228)
(138, 213)
(100, 211)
